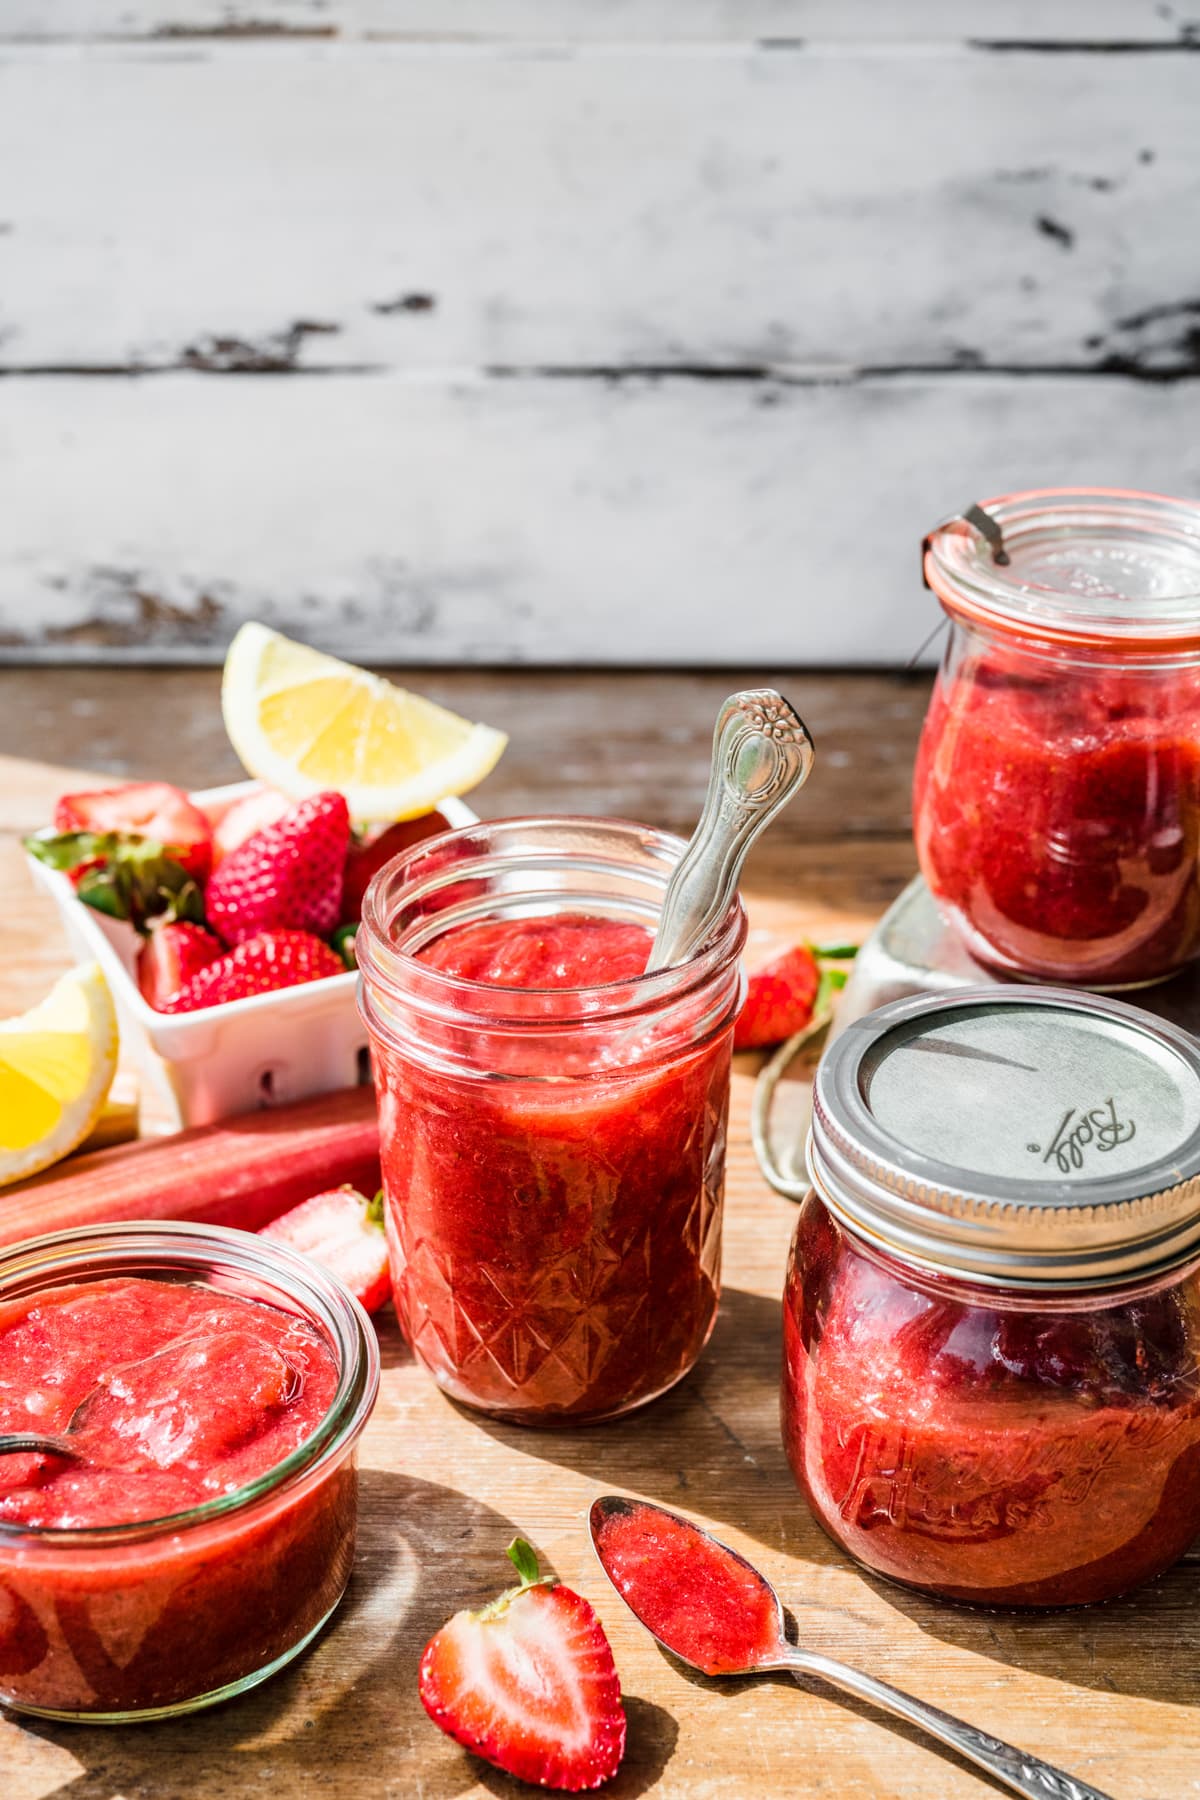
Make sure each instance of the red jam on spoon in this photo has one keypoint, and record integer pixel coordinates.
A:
(710, 1607)
(697, 1596)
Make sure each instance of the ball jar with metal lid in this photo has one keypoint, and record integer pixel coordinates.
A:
(991, 1381)
(1057, 791)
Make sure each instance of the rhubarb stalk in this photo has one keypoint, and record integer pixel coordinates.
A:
(243, 1171)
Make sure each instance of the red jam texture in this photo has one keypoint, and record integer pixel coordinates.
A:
(696, 1596)
(555, 1236)
(570, 951)
(1045, 1457)
(184, 1394)
(1057, 817)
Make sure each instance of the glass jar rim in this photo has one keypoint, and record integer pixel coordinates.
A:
(432, 865)
(139, 1247)
(1036, 563)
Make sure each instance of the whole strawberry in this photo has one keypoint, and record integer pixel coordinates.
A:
(287, 877)
(529, 1683)
(260, 965)
(368, 855)
(252, 812)
(780, 997)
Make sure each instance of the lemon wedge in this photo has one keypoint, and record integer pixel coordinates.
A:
(57, 1062)
(304, 722)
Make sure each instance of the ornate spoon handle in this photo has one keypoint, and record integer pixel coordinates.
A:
(1023, 1773)
(762, 754)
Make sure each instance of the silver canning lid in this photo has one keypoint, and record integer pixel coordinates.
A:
(1026, 1135)
(1088, 565)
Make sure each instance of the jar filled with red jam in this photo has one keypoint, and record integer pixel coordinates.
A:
(991, 1381)
(199, 1529)
(552, 1118)
(1057, 792)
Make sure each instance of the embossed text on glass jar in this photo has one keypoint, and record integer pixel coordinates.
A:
(986, 1444)
(553, 1154)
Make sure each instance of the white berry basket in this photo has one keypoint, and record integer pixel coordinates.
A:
(261, 1051)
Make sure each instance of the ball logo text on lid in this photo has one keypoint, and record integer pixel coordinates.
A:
(979, 1088)
(1078, 1131)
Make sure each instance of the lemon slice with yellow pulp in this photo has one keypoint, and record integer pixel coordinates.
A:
(305, 722)
(56, 1067)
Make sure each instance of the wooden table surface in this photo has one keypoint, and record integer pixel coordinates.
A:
(1109, 1693)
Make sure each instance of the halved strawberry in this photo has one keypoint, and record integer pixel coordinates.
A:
(779, 999)
(286, 877)
(252, 812)
(149, 809)
(529, 1684)
(367, 856)
(171, 953)
(343, 1231)
(261, 965)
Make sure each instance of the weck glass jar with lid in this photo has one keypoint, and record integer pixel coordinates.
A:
(1057, 790)
(991, 1381)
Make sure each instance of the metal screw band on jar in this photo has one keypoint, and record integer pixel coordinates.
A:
(1029, 1137)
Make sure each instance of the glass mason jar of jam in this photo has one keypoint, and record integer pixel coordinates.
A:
(1057, 792)
(991, 1381)
(552, 1118)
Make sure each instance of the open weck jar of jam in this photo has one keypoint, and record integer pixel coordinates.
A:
(1057, 792)
(991, 1382)
(199, 1529)
(552, 1118)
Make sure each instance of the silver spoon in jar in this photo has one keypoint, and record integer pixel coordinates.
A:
(762, 755)
(58, 1443)
(714, 1611)
(35, 1442)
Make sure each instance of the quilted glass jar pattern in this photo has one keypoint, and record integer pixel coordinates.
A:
(553, 1156)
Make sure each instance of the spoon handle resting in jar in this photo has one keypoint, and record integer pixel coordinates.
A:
(762, 754)
(1023, 1773)
(43, 1442)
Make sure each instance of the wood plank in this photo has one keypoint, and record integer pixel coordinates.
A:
(371, 205)
(622, 744)
(1054, 21)
(635, 745)
(542, 521)
(1108, 1694)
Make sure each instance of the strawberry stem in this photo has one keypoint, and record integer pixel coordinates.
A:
(835, 952)
(343, 942)
(375, 1212)
(523, 1557)
(831, 980)
(121, 874)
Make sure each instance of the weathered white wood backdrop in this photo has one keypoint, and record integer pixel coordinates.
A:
(557, 330)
